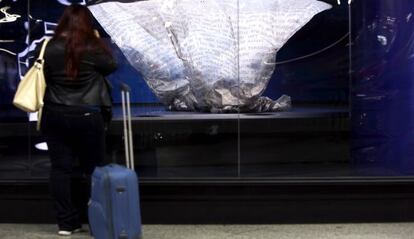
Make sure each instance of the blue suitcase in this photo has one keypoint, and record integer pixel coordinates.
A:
(114, 208)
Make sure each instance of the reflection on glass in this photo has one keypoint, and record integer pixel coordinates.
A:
(7, 16)
(383, 88)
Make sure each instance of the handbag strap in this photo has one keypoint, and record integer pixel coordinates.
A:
(42, 51)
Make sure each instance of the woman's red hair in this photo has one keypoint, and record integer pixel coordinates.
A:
(76, 28)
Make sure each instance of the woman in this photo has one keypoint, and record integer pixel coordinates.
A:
(76, 62)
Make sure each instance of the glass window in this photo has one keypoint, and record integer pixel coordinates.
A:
(14, 134)
(173, 59)
(295, 52)
(235, 89)
(382, 108)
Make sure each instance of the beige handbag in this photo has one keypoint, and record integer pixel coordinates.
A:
(31, 89)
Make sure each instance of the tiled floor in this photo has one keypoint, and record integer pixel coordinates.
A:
(309, 231)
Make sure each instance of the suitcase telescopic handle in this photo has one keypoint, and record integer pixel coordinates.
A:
(126, 112)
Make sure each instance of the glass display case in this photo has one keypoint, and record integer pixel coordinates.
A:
(235, 89)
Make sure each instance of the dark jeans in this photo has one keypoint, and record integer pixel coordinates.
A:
(74, 135)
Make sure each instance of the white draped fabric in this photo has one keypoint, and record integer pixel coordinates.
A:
(207, 55)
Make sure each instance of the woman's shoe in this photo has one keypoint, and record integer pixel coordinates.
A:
(68, 233)
(64, 233)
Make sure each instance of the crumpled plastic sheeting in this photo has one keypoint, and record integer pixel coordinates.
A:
(207, 55)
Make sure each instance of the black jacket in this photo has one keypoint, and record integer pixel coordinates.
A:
(90, 86)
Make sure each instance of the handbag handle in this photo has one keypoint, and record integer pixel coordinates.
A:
(42, 51)
(40, 58)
